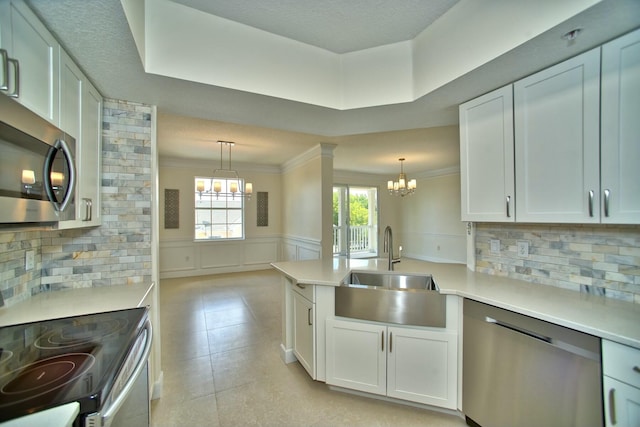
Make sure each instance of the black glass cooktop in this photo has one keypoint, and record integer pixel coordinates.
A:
(74, 359)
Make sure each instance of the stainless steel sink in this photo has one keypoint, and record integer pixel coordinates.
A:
(394, 281)
(404, 299)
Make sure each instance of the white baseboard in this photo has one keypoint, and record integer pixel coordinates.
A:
(156, 390)
(286, 354)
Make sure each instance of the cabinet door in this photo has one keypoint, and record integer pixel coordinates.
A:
(486, 157)
(81, 117)
(356, 356)
(620, 148)
(304, 333)
(621, 403)
(422, 366)
(37, 52)
(90, 163)
(5, 43)
(557, 116)
(70, 96)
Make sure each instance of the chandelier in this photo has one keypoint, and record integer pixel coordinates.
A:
(402, 186)
(225, 181)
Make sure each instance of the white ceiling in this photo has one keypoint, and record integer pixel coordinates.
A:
(270, 131)
(336, 25)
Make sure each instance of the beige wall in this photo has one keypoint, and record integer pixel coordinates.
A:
(307, 208)
(180, 255)
(180, 174)
(431, 228)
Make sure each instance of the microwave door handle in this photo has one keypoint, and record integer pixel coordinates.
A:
(48, 187)
(107, 415)
(60, 144)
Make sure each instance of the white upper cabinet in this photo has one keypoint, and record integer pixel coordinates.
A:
(557, 116)
(486, 157)
(620, 134)
(81, 117)
(32, 55)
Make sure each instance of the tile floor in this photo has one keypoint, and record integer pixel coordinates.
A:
(220, 357)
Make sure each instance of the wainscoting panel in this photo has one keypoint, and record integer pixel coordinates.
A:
(186, 258)
(178, 258)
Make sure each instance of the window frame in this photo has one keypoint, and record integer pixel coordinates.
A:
(207, 193)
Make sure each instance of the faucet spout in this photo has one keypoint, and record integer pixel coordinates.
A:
(388, 248)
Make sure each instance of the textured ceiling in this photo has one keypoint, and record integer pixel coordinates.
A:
(336, 25)
(268, 130)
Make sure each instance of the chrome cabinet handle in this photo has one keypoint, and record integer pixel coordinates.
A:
(382, 341)
(16, 80)
(612, 406)
(87, 209)
(591, 203)
(390, 342)
(300, 286)
(607, 193)
(508, 203)
(4, 85)
(309, 321)
(636, 369)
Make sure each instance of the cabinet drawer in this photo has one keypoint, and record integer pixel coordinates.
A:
(306, 291)
(621, 362)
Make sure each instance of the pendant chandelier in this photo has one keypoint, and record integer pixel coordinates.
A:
(402, 186)
(225, 181)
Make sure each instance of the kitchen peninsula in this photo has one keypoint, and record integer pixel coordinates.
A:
(603, 317)
(308, 293)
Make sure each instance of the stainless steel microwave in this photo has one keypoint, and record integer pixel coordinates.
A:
(37, 169)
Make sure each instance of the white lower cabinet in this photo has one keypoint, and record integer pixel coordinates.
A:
(621, 384)
(304, 340)
(414, 364)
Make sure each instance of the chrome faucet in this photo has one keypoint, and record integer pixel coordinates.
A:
(388, 247)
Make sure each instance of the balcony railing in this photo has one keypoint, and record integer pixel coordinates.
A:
(362, 239)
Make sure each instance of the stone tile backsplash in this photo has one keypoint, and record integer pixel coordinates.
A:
(116, 253)
(599, 259)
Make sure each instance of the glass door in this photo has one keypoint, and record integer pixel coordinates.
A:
(355, 221)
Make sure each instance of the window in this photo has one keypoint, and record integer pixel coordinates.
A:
(355, 221)
(218, 217)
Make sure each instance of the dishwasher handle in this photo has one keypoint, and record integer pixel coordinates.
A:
(518, 329)
(583, 352)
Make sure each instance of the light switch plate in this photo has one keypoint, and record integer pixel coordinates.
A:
(523, 248)
(495, 246)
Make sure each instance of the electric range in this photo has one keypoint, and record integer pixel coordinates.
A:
(74, 359)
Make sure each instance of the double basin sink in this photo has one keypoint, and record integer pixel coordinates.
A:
(404, 299)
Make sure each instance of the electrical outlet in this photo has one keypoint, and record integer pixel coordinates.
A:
(29, 260)
(523, 248)
(495, 246)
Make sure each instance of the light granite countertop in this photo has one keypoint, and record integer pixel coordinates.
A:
(74, 302)
(606, 318)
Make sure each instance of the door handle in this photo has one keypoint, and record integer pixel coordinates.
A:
(607, 194)
(390, 342)
(16, 78)
(4, 85)
(591, 203)
(309, 321)
(88, 208)
(382, 341)
(612, 406)
(508, 206)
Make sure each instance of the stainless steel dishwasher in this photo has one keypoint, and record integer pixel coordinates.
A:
(519, 371)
